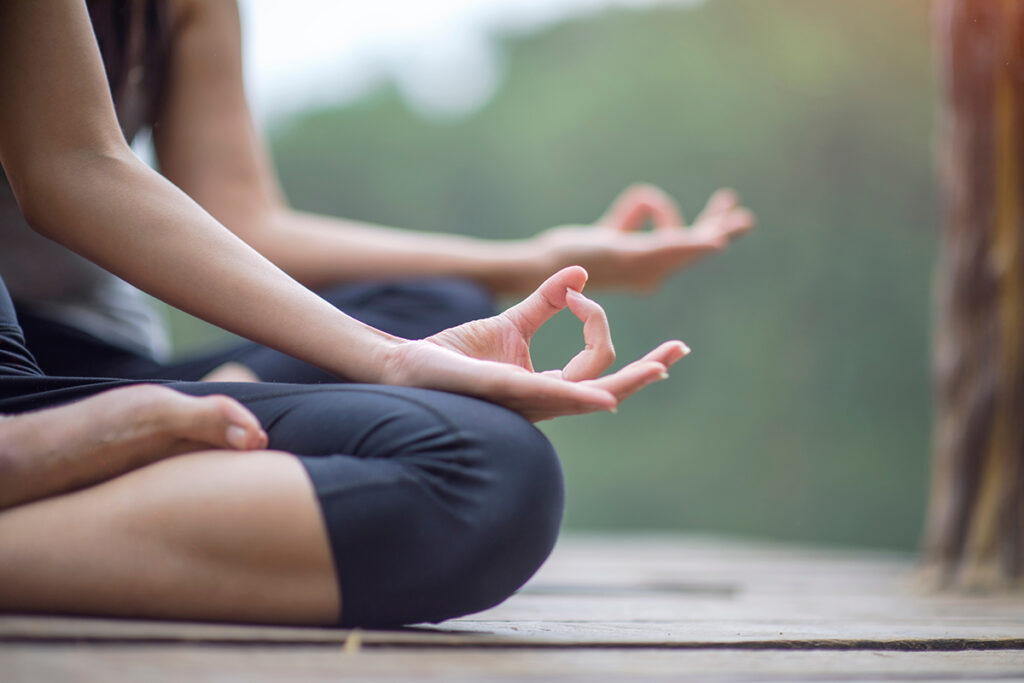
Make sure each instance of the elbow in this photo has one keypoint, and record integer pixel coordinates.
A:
(33, 205)
(54, 192)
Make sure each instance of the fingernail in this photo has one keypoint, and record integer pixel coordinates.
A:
(237, 437)
(664, 375)
(613, 409)
(686, 349)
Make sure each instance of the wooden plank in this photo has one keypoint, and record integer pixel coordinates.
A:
(653, 592)
(748, 634)
(44, 664)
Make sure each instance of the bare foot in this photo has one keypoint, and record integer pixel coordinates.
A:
(64, 448)
(231, 372)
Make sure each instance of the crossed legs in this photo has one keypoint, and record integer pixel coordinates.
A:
(402, 506)
(213, 535)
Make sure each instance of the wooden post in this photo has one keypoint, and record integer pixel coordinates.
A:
(974, 535)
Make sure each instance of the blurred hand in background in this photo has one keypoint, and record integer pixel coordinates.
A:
(619, 252)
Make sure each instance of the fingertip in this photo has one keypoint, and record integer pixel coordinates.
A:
(236, 411)
(581, 273)
(728, 193)
(608, 400)
(571, 277)
(677, 350)
(579, 303)
(677, 345)
(246, 434)
(237, 437)
(573, 299)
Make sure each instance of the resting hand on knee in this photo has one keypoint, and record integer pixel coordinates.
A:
(490, 358)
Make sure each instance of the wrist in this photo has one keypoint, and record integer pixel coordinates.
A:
(385, 362)
(348, 348)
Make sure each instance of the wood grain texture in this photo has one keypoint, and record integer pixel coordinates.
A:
(603, 608)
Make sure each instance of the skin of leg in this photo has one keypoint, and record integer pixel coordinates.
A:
(214, 535)
(231, 372)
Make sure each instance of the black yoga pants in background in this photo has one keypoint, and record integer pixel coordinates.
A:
(436, 505)
(412, 309)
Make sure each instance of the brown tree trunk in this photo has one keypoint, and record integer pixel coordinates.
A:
(973, 536)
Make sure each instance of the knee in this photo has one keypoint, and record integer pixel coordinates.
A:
(514, 524)
(449, 507)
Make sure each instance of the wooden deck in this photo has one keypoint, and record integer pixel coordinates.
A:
(603, 608)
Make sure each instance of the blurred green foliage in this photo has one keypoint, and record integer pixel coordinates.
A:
(803, 412)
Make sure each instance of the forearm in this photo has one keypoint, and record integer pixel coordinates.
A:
(319, 251)
(77, 182)
(208, 146)
(54, 451)
(120, 214)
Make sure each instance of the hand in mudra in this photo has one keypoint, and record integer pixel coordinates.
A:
(618, 252)
(490, 358)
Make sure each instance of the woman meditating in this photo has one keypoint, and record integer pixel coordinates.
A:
(417, 492)
(175, 66)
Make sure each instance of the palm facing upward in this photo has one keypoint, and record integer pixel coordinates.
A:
(490, 358)
(618, 252)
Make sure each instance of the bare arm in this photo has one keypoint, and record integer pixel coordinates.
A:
(207, 145)
(77, 182)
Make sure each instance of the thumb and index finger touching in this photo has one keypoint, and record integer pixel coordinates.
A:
(581, 378)
(641, 203)
(536, 309)
(559, 291)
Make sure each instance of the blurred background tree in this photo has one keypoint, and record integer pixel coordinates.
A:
(975, 533)
(804, 411)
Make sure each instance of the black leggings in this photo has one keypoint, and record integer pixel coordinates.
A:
(436, 505)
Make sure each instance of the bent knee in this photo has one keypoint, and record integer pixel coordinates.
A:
(452, 533)
(510, 527)
(518, 524)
